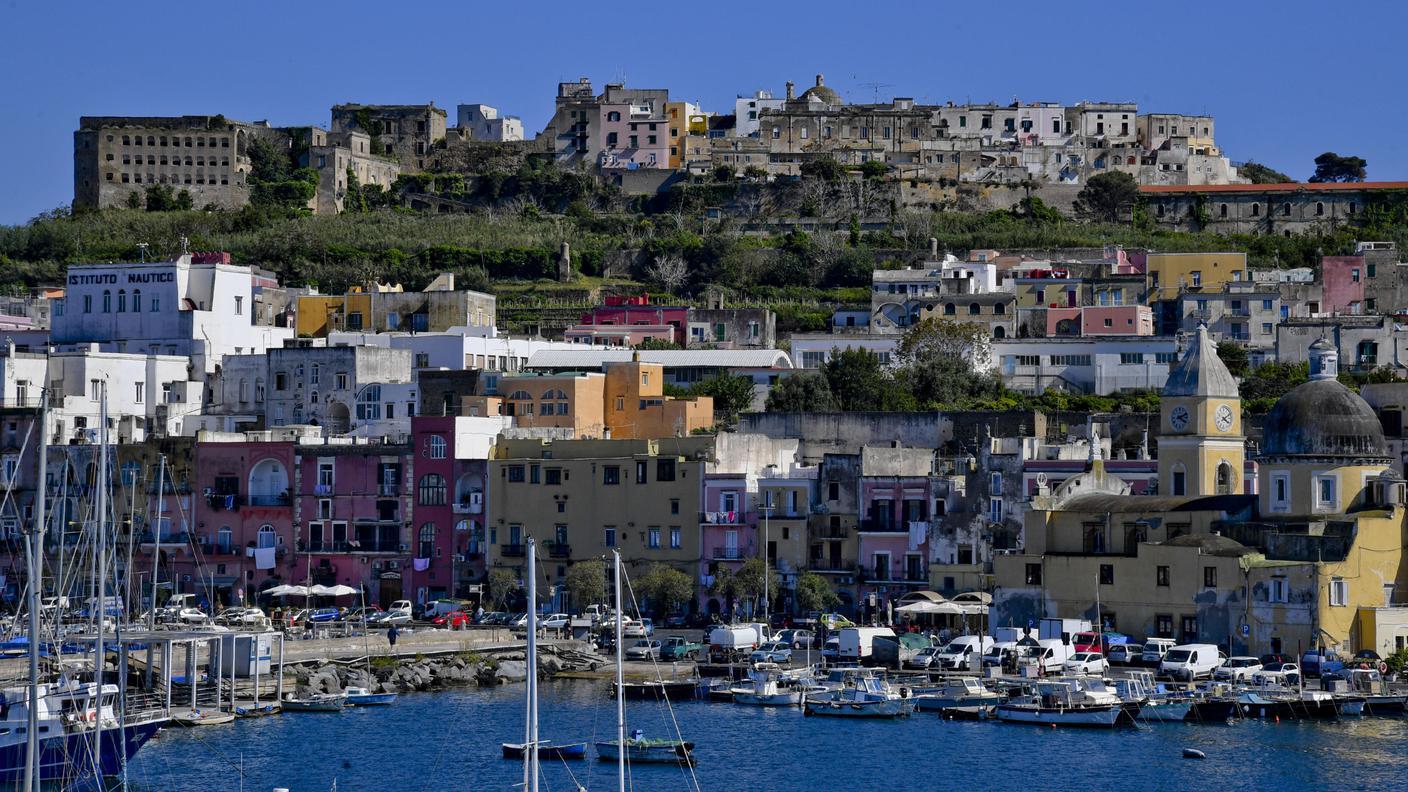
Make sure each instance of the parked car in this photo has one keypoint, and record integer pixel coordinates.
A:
(1086, 663)
(648, 626)
(956, 655)
(1190, 662)
(1237, 669)
(676, 621)
(555, 621)
(1286, 674)
(775, 652)
(1316, 662)
(633, 629)
(797, 639)
(1127, 654)
(490, 618)
(1154, 651)
(1269, 659)
(324, 615)
(644, 649)
(455, 620)
(924, 658)
(831, 650)
(368, 613)
(834, 621)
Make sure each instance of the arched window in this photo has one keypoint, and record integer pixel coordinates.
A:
(1256, 210)
(1286, 209)
(999, 332)
(427, 541)
(266, 536)
(999, 309)
(259, 390)
(136, 300)
(950, 309)
(368, 402)
(122, 301)
(432, 490)
(613, 116)
(1319, 209)
(1226, 481)
(437, 447)
(974, 309)
(1222, 210)
(1095, 540)
(107, 301)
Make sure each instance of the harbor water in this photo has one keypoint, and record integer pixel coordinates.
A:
(451, 741)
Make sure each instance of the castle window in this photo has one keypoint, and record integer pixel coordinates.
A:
(1180, 479)
(1319, 209)
(1226, 479)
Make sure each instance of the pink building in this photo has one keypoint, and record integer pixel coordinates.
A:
(634, 136)
(1098, 320)
(636, 310)
(618, 335)
(448, 553)
(1343, 280)
(894, 534)
(728, 533)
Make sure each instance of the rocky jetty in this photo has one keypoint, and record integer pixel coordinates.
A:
(405, 675)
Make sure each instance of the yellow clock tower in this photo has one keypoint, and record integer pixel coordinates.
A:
(1201, 447)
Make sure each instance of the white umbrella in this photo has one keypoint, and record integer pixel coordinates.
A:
(927, 606)
(331, 591)
(286, 590)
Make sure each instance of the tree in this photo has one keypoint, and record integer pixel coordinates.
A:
(825, 168)
(1036, 210)
(947, 381)
(656, 343)
(723, 173)
(804, 392)
(667, 588)
(1233, 356)
(859, 381)
(586, 583)
(750, 578)
(184, 201)
(1106, 194)
(874, 169)
(756, 173)
(732, 395)
(502, 584)
(725, 585)
(814, 593)
(668, 272)
(1331, 167)
(1261, 174)
(937, 336)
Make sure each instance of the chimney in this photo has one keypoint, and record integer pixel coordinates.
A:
(820, 80)
(933, 248)
(791, 90)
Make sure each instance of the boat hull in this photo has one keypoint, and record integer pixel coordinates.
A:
(892, 708)
(329, 705)
(1166, 712)
(666, 752)
(1107, 716)
(70, 757)
(371, 700)
(548, 751)
(1385, 705)
(1214, 710)
(789, 698)
(653, 691)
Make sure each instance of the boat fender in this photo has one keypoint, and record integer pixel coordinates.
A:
(1193, 753)
(1383, 667)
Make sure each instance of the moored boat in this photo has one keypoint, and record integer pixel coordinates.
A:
(1068, 702)
(257, 712)
(1378, 699)
(770, 686)
(362, 697)
(864, 693)
(547, 750)
(323, 702)
(647, 751)
(199, 717)
(956, 693)
(76, 718)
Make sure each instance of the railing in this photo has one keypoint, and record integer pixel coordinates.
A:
(468, 508)
(830, 532)
(280, 501)
(721, 517)
(1239, 312)
(729, 553)
(888, 526)
(322, 489)
(511, 551)
(1200, 313)
(224, 501)
(559, 550)
(386, 489)
(327, 547)
(846, 565)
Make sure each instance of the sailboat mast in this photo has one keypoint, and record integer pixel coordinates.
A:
(99, 656)
(156, 535)
(34, 546)
(532, 656)
(620, 679)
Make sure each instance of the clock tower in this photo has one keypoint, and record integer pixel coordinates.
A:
(1201, 447)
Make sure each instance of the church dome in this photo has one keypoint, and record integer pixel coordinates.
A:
(1323, 418)
(823, 93)
(1201, 372)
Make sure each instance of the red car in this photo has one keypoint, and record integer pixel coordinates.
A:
(1086, 642)
(455, 620)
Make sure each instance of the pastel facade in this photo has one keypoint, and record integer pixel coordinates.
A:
(625, 401)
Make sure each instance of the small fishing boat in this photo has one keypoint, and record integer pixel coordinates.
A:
(864, 693)
(656, 689)
(974, 713)
(1069, 702)
(362, 697)
(770, 686)
(547, 750)
(199, 717)
(643, 751)
(956, 693)
(1215, 709)
(1155, 703)
(1378, 700)
(322, 702)
(714, 689)
(1306, 705)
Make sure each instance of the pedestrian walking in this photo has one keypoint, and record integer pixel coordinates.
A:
(391, 635)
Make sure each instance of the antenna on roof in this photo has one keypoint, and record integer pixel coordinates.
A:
(142, 251)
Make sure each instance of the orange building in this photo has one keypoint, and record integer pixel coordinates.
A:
(626, 402)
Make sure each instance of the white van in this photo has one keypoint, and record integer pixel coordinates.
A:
(856, 643)
(1051, 654)
(1154, 651)
(1189, 662)
(955, 656)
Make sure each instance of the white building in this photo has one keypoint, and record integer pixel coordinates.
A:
(199, 307)
(747, 110)
(146, 395)
(1100, 365)
(813, 350)
(459, 349)
(485, 123)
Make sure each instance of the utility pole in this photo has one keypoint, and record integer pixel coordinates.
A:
(34, 546)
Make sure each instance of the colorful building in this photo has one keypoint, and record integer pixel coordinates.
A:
(625, 401)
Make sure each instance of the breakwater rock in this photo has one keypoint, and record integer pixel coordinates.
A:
(404, 675)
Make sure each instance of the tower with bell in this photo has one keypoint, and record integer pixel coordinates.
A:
(1201, 447)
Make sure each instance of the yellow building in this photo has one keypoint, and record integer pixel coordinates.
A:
(625, 402)
(1172, 273)
(1201, 447)
(1314, 558)
(682, 117)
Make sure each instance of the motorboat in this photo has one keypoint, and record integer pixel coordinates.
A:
(362, 697)
(1155, 703)
(200, 717)
(1378, 700)
(320, 702)
(640, 750)
(714, 689)
(257, 711)
(75, 718)
(547, 750)
(864, 693)
(1305, 705)
(1069, 702)
(955, 693)
(771, 686)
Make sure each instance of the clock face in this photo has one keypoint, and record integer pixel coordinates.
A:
(1178, 418)
(1223, 418)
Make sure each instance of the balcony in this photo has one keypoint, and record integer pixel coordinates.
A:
(882, 526)
(729, 554)
(1242, 313)
(268, 501)
(844, 566)
(1200, 315)
(511, 551)
(558, 550)
(224, 501)
(831, 532)
(467, 507)
(387, 489)
(327, 547)
(322, 489)
(722, 518)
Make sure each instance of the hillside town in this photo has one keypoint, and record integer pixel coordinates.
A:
(397, 442)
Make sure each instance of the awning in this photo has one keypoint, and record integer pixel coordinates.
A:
(933, 608)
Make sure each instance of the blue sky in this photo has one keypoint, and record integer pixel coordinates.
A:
(1286, 80)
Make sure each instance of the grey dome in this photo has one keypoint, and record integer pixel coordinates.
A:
(1201, 372)
(823, 92)
(1323, 418)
